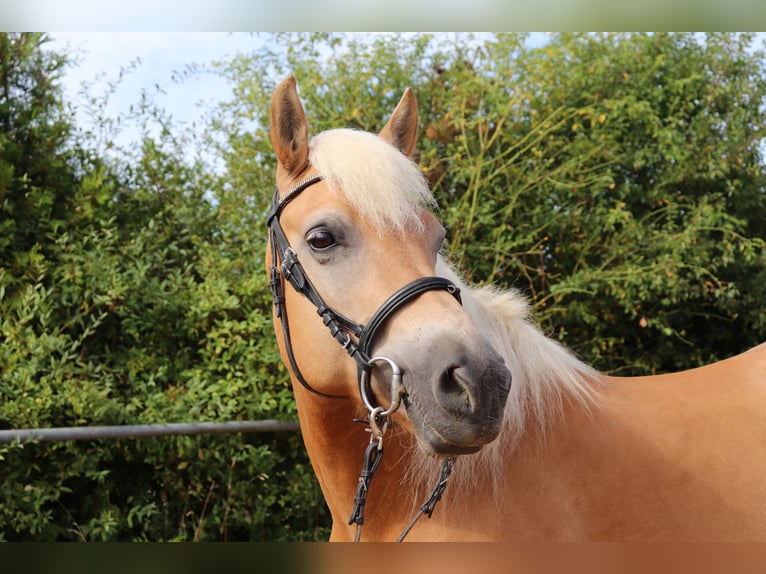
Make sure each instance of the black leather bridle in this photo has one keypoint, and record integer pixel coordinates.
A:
(356, 339)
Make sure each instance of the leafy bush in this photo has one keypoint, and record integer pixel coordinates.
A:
(132, 303)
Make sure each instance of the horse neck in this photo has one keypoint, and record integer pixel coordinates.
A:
(336, 446)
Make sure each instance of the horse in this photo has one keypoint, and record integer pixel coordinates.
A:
(412, 386)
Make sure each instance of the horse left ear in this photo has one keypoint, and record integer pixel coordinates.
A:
(402, 127)
(289, 127)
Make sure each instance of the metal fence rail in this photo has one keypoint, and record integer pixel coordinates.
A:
(133, 431)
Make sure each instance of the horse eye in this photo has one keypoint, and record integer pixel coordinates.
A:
(320, 240)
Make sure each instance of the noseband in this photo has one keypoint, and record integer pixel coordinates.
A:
(354, 338)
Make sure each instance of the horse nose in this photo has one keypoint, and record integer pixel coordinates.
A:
(472, 387)
(455, 392)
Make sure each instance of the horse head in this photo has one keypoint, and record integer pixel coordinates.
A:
(352, 234)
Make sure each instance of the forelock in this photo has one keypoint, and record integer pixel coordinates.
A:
(382, 184)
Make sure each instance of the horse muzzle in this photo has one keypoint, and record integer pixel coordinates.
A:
(457, 408)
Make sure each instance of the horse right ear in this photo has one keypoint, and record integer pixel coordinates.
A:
(289, 127)
(401, 130)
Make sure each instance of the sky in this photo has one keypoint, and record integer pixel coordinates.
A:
(101, 56)
(161, 53)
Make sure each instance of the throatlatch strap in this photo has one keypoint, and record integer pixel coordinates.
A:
(280, 247)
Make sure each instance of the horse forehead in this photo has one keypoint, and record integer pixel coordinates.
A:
(320, 197)
(399, 236)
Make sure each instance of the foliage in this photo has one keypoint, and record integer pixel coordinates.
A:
(649, 254)
(618, 179)
(133, 303)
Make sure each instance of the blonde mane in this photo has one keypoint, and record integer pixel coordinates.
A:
(387, 188)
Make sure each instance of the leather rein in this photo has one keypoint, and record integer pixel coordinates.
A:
(355, 339)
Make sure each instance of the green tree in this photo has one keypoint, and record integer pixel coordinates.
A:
(654, 259)
(37, 175)
(135, 305)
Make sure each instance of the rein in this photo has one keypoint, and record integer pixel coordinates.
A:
(356, 340)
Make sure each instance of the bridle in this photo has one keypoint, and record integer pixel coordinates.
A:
(355, 339)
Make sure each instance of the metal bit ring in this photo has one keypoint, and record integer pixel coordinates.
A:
(396, 390)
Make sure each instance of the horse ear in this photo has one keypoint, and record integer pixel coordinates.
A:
(289, 127)
(402, 127)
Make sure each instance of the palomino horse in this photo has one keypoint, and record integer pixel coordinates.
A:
(377, 329)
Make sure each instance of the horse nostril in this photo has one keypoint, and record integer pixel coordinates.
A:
(453, 393)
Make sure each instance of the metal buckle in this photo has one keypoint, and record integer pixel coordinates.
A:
(289, 260)
(376, 430)
(346, 343)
